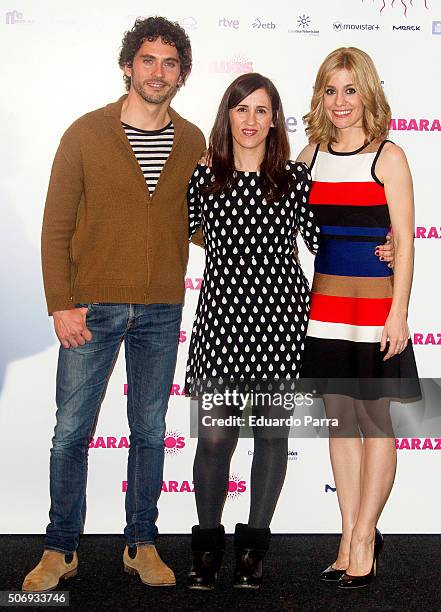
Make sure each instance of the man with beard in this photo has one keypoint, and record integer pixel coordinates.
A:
(114, 253)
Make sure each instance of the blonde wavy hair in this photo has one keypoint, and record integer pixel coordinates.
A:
(377, 113)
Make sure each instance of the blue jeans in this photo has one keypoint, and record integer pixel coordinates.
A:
(151, 336)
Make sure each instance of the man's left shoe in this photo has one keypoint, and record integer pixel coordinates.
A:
(145, 562)
(251, 545)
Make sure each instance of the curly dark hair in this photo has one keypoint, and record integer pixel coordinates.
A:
(150, 29)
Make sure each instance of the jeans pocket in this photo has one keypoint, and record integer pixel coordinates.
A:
(89, 305)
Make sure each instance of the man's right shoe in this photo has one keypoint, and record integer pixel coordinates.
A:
(53, 567)
(208, 547)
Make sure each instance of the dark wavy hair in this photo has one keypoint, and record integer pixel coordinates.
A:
(150, 29)
(274, 176)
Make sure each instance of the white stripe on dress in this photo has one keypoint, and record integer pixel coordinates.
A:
(344, 331)
(356, 169)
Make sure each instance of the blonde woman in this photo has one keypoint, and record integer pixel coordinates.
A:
(357, 346)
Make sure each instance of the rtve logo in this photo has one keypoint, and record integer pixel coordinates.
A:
(232, 24)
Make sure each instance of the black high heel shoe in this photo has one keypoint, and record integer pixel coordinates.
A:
(331, 574)
(356, 582)
(251, 545)
(208, 547)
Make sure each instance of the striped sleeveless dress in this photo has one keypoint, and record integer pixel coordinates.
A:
(352, 289)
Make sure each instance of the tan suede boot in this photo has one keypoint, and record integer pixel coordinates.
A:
(149, 566)
(51, 569)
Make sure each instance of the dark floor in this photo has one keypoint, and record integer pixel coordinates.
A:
(409, 576)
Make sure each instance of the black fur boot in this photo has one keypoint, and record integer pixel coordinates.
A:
(208, 547)
(251, 545)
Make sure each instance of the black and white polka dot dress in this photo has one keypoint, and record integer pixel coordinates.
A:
(253, 308)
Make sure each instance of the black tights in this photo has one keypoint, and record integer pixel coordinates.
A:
(211, 474)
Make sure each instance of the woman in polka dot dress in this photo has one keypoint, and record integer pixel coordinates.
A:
(252, 315)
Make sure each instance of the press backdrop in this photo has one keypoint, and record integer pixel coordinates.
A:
(59, 60)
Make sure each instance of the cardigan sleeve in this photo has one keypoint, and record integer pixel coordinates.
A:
(60, 213)
(306, 221)
(195, 233)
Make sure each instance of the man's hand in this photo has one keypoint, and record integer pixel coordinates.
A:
(70, 327)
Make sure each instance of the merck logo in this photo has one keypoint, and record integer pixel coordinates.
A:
(407, 28)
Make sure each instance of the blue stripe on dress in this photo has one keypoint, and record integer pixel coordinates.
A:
(344, 258)
(340, 230)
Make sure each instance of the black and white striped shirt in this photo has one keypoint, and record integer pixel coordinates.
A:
(151, 149)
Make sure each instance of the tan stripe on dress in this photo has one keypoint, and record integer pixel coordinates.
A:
(353, 286)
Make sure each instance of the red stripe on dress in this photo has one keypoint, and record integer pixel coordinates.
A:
(352, 311)
(367, 193)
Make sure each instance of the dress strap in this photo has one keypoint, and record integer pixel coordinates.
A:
(374, 163)
(314, 157)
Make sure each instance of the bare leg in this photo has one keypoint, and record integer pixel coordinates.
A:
(378, 473)
(345, 448)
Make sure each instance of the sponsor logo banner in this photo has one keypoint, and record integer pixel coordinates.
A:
(304, 26)
(420, 444)
(418, 125)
